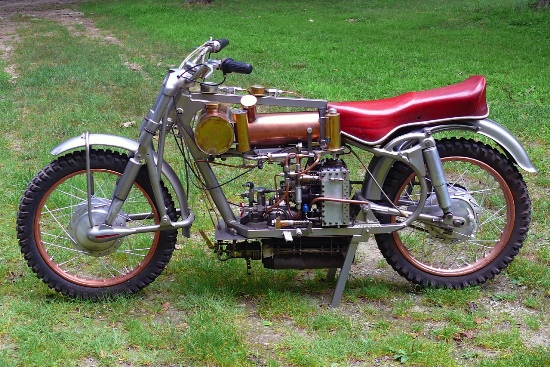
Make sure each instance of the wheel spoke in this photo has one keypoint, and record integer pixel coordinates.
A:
(61, 264)
(54, 222)
(110, 266)
(495, 216)
(61, 226)
(479, 193)
(71, 249)
(134, 252)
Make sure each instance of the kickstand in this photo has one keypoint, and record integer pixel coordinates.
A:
(331, 274)
(248, 267)
(343, 276)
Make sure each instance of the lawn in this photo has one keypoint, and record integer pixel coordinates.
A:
(100, 70)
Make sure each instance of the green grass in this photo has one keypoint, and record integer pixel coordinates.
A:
(201, 311)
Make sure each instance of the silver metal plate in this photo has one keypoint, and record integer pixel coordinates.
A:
(335, 185)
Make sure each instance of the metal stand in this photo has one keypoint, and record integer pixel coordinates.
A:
(331, 274)
(343, 276)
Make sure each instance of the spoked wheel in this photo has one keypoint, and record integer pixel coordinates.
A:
(487, 191)
(53, 221)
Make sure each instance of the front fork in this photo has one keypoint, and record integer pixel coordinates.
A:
(144, 154)
(126, 181)
(121, 191)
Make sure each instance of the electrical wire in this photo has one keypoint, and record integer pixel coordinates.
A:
(188, 166)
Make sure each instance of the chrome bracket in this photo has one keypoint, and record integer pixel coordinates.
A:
(89, 178)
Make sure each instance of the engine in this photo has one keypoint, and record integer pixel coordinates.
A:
(312, 189)
(317, 195)
(314, 185)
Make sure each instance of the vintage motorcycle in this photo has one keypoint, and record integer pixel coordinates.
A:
(450, 212)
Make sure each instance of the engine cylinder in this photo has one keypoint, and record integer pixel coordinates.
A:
(283, 128)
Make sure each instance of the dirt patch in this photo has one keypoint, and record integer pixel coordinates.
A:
(59, 11)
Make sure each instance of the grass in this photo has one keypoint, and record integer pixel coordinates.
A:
(201, 311)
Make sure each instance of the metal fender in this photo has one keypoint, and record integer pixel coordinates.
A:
(130, 145)
(506, 140)
(96, 139)
(380, 166)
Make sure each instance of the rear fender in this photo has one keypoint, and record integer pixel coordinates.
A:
(380, 166)
(131, 146)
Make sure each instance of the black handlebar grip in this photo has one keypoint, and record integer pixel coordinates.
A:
(231, 66)
(222, 43)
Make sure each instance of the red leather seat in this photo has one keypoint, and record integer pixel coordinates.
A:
(372, 121)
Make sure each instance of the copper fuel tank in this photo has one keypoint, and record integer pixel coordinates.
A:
(283, 128)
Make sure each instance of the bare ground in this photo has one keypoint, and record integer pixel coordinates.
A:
(60, 11)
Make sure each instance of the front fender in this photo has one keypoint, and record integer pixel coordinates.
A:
(131, 146)
(96, 139)
(380, 166)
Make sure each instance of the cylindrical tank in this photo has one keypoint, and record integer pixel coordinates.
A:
(214, 132)
(283, 128)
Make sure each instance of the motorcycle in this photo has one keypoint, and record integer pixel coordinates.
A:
(101, 220)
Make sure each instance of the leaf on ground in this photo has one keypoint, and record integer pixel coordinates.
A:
(464, 335)
(128, 124)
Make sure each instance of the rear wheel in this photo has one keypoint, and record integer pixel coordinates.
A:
(53, 220)
(487, 190)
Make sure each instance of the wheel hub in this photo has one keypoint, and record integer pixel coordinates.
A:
(463, 205)
(80, 225)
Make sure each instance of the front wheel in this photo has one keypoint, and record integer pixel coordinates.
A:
(485, 188)
(53, 219)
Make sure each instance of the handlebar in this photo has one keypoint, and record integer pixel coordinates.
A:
(218, 45)
(196, 66)
(231, 66)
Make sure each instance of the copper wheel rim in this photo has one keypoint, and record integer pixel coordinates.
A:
(413, 256)
(125, 274)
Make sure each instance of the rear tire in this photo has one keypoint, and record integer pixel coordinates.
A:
(422, 255)
(53, 212)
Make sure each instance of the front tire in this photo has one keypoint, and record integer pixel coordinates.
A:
(497, 194)
(53, 213)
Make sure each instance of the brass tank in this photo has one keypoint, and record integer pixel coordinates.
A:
(214, 132)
